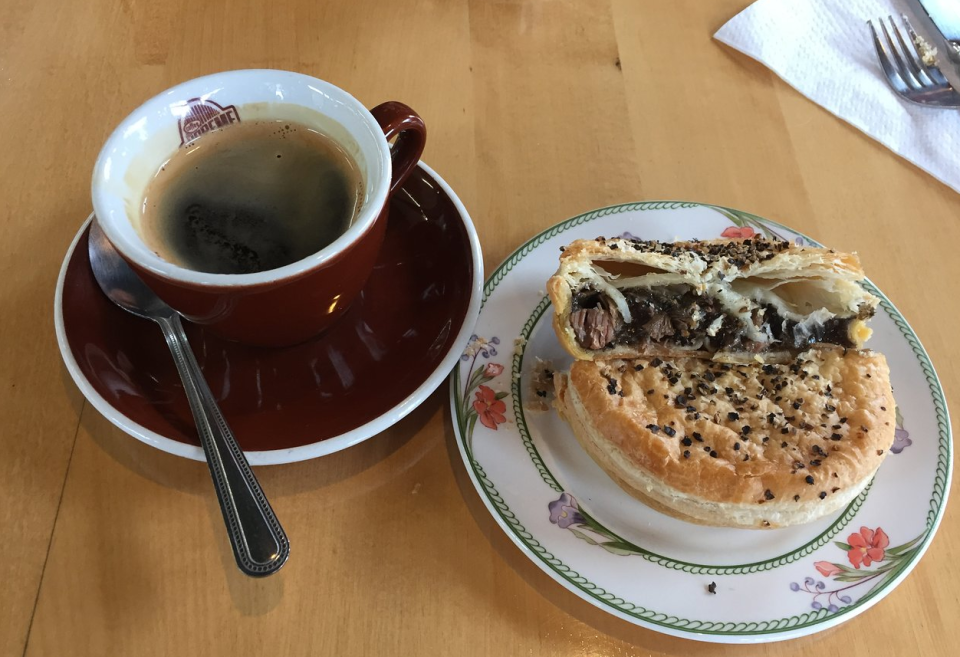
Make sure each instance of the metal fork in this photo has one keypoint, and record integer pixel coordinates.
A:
(902, 62)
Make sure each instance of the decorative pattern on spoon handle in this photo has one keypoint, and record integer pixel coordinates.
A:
(259, 543)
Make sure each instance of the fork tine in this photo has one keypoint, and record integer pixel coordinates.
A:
(933, 72)
(901, 66)
(893, 78)
(912, 56)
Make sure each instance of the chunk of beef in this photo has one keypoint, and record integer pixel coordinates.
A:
(659, 327)
(594, 327)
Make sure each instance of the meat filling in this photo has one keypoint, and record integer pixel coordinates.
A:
(595, 327)
(679, 316)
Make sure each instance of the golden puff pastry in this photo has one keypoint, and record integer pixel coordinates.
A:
(735, 445)
(731, 300)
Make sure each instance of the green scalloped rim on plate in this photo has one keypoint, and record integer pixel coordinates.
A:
(898, 560)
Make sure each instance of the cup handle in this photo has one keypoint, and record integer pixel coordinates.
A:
(396, 119)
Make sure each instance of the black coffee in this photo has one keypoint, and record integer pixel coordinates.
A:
(250, 197)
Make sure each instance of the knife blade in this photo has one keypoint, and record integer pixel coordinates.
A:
(935, 21)
(945, 15)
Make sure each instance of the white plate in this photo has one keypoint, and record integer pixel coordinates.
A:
(571, 520)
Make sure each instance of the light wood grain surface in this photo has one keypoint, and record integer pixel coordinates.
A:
(537, 110)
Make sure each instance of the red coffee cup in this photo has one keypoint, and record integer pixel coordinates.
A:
(277, 307)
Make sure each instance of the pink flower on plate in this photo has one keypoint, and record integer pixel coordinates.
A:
(826, 568)
(489, 409)
(867, 547)
(492, 370)
(735, 232)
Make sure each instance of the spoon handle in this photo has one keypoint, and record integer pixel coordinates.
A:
(259, 543)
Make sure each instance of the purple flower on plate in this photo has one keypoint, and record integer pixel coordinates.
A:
(488, 349)
(901, 440)
(901, 437)
(627, 235)
(480, 346)
(565, 512)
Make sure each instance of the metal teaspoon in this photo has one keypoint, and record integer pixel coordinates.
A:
(259, 543)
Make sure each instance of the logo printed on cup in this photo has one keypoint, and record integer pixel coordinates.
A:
(202, 116)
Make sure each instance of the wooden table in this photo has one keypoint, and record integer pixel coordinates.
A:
(537, 110)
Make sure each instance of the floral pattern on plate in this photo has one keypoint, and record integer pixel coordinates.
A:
(487, 405)
(864, 548)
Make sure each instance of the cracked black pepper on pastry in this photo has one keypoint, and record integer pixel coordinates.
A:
(738, 477)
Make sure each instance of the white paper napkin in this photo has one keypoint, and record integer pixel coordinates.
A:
(824, 49)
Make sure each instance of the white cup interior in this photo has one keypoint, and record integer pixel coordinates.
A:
(155, 131)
